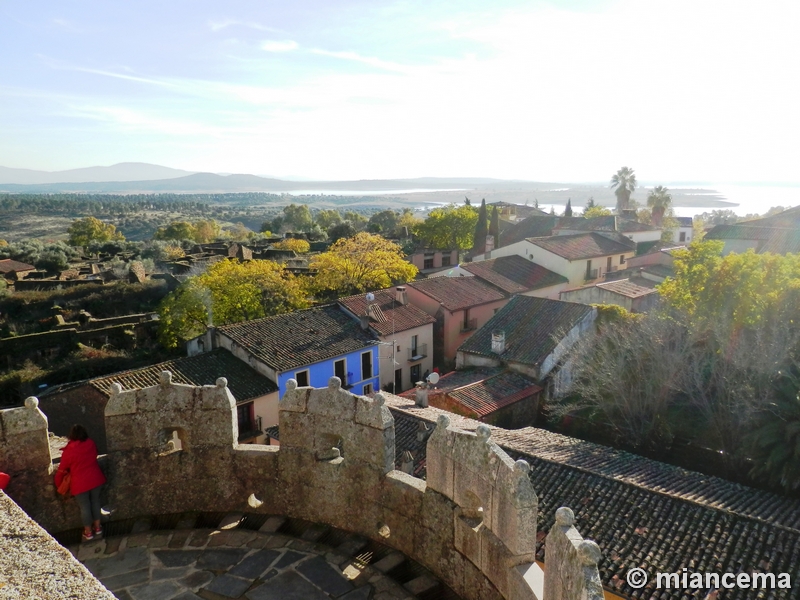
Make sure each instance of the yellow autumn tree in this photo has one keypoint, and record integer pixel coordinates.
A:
(84, 231)
(360, 263)
(229, 292)
(299, 246)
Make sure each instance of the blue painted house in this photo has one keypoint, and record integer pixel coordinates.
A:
(309, 345)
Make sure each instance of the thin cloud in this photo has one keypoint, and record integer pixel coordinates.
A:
(225, 23)
(367, 60)
(279, 46)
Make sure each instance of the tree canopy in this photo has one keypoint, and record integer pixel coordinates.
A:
(596, 211)
(623, 183)
(481, 230)
(360, 263)
(229, 292)
(449, 227)
(89, 229)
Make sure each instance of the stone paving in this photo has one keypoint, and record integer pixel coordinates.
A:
(221, 564)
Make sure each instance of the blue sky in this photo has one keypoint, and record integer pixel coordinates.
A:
(680, 90)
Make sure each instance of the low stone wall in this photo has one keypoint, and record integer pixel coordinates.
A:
(172, 449)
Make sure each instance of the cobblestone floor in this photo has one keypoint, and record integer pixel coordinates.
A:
(221, 564)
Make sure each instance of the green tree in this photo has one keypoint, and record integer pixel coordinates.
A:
(596, 211)
(297, 217)
(177, 230)
(494, 226)
(406, 223)
(449, 227)
(84, 231)
(229, 292)
(590, 203)
(384, 222)
(659, 201)
(327, 218)
(207, 231)
(775, 439)
(481, 230)
(344, 229)
(356, 220)
(363, 262)
(568, 208)
(623, 183)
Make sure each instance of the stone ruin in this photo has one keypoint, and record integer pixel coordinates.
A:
(172, 449)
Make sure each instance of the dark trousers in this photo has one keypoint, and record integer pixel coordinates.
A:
(89, 503)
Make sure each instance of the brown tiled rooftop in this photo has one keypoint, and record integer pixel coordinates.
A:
(489, 395)
(628, 288)
(514, 274)
(641, 512)
(300, 338)
(458, 293)
(398, 317)
(7, 265)
(532, 327)
(244, 382)
(581, 245)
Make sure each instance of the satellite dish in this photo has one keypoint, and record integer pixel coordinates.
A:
(370, 297)
(433, 378)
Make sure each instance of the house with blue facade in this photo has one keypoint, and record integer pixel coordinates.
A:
(310, 346)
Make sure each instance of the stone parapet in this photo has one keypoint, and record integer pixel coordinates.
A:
(571, 562)
(173, 449)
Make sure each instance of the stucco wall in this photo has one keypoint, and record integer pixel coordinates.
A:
(320, 372)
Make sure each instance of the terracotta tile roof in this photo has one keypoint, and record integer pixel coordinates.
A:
(300, 338)
(397, 317)
(8, 265)
(533, 226)
(641, 512)
(514, 274)
(244, 382)
(489, 395)
(457, 379)
(458, 293)
(628, 288)
(530, 326)
(581, 245)
(607, 223)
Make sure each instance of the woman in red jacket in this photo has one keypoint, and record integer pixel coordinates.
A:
(79, 459)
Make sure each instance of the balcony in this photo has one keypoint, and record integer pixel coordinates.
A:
(470, 325)
(591, 275)
(250, 429)
(418, 353)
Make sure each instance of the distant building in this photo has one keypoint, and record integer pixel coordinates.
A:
(779, 234)
(579, 258)
(684, 234)
(428, 261)
(516, 275)
(460, 306)
(635, 294)
(530, 336)
(85, 401)
(14, 269)
(405, 332)
(310, 346)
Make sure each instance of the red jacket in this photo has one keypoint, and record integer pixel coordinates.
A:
(80, 460)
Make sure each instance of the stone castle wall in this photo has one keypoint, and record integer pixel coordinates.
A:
(172, 449)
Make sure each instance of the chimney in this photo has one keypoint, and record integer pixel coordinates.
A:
(421, 394)
(364, 322)
(489, 243)
(401, 295)
(498, 341)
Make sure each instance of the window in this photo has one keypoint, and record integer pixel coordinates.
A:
(416, 374)
(445, 260)
(340, 371)
(366, 365)
(244, 415)
(414, 339)
(588, 269)
(683, 236)
(608, 265)
(622, 259)
(367, 389)
(302, 378)
(428, 264)
(398, 381)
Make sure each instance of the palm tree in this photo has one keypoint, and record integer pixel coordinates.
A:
(623, 183)
(659, 202)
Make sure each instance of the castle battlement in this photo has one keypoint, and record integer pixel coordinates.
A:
(172, 449)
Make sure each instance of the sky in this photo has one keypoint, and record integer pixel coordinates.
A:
(679, 90)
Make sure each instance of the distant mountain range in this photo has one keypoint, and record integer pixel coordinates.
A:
(129, 171)
(143, 177)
